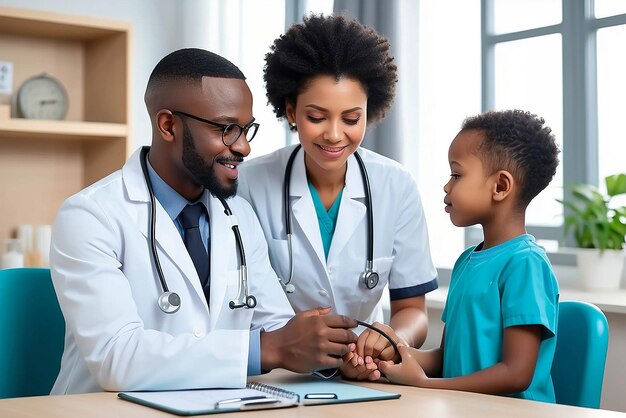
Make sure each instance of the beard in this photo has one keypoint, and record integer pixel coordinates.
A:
(202, 172)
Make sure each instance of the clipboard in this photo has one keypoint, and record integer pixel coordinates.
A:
(214, 401)
(312, 390)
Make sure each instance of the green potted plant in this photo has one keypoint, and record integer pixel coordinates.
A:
(599, 230)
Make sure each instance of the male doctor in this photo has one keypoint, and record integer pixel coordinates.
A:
(117, 337)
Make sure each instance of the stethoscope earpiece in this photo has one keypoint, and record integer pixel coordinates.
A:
(288, 288)
(250, 303)
(169, 302)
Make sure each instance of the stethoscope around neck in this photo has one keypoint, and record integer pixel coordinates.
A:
(369, 278)
(169, 302)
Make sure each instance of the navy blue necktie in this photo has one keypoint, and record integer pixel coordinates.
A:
(189, 218)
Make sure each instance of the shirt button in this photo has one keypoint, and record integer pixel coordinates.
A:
(323, 292)
(330, 271)
(197, 332)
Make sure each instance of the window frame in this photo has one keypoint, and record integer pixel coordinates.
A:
(579, 156)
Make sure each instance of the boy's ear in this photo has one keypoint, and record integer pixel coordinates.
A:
(503, 185)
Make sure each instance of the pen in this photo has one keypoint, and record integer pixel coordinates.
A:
(247, 400)
(235, 400)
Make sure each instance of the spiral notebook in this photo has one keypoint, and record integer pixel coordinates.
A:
(215, 401)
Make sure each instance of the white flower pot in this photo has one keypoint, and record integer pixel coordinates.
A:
(600, 270)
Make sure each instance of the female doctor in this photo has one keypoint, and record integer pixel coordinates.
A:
(329, 244)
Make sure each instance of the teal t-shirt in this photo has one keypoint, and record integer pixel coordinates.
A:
(507, 285)
(327, 220)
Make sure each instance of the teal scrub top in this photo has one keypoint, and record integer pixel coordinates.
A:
(507, 285)
(327, 220)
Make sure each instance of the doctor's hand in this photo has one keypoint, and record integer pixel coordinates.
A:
(311, 340)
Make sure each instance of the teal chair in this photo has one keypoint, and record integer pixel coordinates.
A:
(581, 347)
(32, 332)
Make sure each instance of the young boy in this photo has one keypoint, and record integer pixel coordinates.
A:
(501, 312)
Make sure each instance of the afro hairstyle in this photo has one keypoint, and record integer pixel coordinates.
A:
(330, 45)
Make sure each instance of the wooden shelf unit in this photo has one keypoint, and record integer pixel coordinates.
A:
(44, 162)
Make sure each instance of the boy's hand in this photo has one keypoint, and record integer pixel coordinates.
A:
(409, 372)
(354, 368)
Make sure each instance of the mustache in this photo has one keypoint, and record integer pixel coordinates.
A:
(234, 158)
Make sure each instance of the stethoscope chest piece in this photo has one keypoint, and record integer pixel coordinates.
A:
(169, 302)
(370, 279)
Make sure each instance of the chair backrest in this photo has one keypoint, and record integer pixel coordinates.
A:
(32, 332)
(580, 357)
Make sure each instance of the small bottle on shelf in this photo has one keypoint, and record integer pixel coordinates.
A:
(12, 256)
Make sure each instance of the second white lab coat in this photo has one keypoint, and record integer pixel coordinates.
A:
(117, 338)
(401, 249)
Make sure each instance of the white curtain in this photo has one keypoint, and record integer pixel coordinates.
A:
(397, 20)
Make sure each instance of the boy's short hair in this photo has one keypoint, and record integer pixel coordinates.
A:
(518, 142)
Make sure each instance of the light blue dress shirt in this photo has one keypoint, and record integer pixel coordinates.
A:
(174, 203)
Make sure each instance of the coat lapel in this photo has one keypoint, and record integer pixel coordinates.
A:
(352, 210)
(223, 265)
(303, 210)
(167, 237)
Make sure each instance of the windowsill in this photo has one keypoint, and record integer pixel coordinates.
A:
(608, 301)
(613, 301)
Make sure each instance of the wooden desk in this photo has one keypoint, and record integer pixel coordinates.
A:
(414, 402)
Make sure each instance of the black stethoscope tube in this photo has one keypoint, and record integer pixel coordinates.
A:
(235, 228)
(152, 220)
(384, 334)
(370, 212)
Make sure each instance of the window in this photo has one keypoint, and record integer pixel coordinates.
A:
(605, 8)
(513, 16)
(239, 37)
(563, 61)
(243, 32)
(611, 100)
(528, 76)
(560, 59)
(448, 72)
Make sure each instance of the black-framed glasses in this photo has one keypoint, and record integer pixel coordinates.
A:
(230, 132)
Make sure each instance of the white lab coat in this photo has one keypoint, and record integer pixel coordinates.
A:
(401, 249)
(117, 338)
